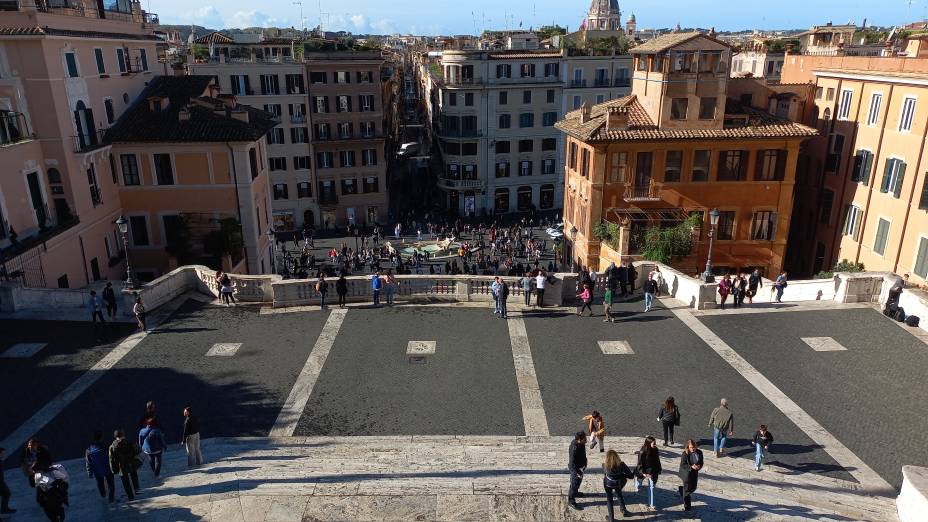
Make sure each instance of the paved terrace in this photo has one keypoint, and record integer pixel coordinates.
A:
(339, 415)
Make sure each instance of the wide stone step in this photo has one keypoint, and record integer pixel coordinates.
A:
(441, 478)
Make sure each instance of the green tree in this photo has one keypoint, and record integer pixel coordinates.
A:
(199, 51)
(548, 31)
(663, 244)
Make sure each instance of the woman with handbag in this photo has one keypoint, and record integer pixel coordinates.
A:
(615, 475)
(668, 416)
(586, 299)
(691, 462)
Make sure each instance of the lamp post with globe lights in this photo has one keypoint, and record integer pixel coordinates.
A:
(123, 227)
(713, 222)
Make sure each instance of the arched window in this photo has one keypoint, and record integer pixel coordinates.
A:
(501, 200)
(546, 197)
(524, 199)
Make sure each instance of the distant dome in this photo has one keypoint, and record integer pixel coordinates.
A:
(604, 15)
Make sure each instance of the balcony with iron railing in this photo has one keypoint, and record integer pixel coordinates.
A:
(601, 82)
(297, 118)
(13, 128)
(328, 198)
(89, 141)
(623, 82)
(460, 133)
(117, 10)
(636, 192)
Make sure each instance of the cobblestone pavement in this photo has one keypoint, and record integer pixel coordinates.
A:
(442, 478)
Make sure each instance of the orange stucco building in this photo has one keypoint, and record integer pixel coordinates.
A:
(686, 141)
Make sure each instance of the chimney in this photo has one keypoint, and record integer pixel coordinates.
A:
(585, 112)
(617, 118)
(239, 114)
(183, 114)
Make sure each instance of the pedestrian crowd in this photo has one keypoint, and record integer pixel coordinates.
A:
(123, 456)
(648, 467)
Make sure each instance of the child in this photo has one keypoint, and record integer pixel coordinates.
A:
(761, 441)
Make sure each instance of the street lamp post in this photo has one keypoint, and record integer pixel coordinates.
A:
(123, 226)
(573, 239)
(713, 222)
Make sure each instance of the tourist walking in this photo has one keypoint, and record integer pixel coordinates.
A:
(586, 299)
(780, 285)
(125, 462)
(632, 276)
(649, 467)
(526, 283)
(51, 487)
(615, 476)
(34, 453)
(151, 440)
(341, 288)
(322, 286)
(139, 310)
(724, 289)
(376, 286)
(494, 291)
(503, 295)
(540, 281)
(739, 288)
(576, 463)
(762, 440)
(190, 438)
(722, 422)
(5, 492)
(97, 463)
(596, 428)
(669, 417)
(607, 305)
(755, 281)
(658, 277)
(96, 307)
(109, 298)
(390, 286)
(150, 415)
(691, 462)
(650, 290)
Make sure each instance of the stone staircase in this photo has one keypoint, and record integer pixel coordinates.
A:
(441, 478)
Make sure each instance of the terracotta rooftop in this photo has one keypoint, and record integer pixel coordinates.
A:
(214, 37)
(51, 31)
(667, 41)
(640, 127)
(208, 121)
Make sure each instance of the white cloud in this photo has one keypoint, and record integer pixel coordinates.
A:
(359, 22)
(207, 16)
(384, 26)
(253, 18)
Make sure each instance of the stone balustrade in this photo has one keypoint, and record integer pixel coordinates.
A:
(912, 502)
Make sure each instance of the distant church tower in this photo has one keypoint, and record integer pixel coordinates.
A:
(630, 26)
(604, 15)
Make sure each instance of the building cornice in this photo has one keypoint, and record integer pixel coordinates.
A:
(880, 78)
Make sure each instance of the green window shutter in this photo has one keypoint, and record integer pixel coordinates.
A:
(921, 260)
(923, 202)
(868, 164)
(897, 189)
(887, 172)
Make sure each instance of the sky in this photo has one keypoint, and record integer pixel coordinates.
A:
(433, 17)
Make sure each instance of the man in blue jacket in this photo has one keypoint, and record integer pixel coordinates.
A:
(97, 462)
(376, 285)
(151, 440)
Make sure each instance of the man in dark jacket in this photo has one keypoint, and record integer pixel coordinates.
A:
(97, 463)
(109, 299)
(191, 438)
(5, 493)
(123, 462)
(576, 464)
(621, 274)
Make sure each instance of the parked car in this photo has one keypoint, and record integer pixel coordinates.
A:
(408, 148)
(556, 230)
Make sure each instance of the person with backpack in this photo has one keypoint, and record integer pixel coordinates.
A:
(151, 440)
(341, 288)
(51, 490)
(669, 417)
(780, 285)
(97, 463)
(322, 286)
(124, 461)
(649, 467)
(615, 476)
(762, 440)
